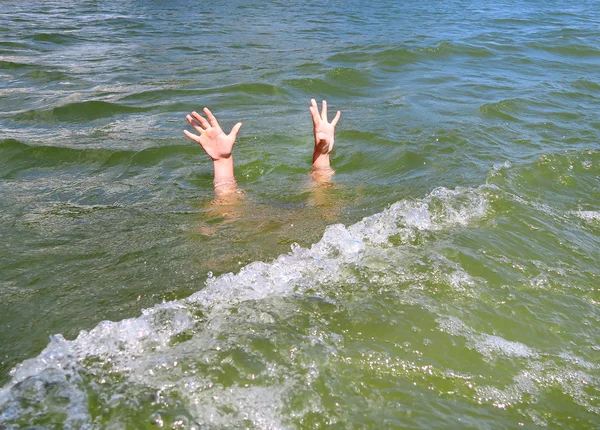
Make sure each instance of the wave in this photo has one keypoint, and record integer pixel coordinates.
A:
(562, 177)
(394, 57)
(255, 348)
(447, 48)
(69, 376)
(13, 65)
(389, 57)
(9, 44)
(255, 92)
(548, 109)
(58, 38)
(504, 109)
(349, 76)
(46, 76)
(324, 87)
(78, 112)
(584, 84)
(338, 80)
(571, 49)
(23, 156)
(249, 347)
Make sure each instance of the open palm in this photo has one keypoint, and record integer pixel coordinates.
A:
(212, 138)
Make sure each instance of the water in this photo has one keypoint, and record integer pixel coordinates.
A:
(448, 278)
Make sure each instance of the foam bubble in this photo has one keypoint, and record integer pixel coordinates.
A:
(487, 345)
(588, 216)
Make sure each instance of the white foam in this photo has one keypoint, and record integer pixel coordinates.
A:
(542, 373)
(490, 346)
(539, 377)
(588, 216)
(133, 348)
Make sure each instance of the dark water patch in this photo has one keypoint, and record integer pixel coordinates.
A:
(348, 76)
(17, 157)
(250, 45)
(365, 137)
(58, 38)
(254, 88)
(67, 28)
(78, 112)
(8, 148)
(183, 108)
(312, 86)
(395, 57)
(310, 68)
(123, 23)
(388, 57)
(46, 76)
(155, 155)
(161, 95)
(516, 22)
(570, 50)
(183, 48)
(446, 48)
(584, 84)
(13, 65)
(9, 44)
(519, 59)
(501, 110)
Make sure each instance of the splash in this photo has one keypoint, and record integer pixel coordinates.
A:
(162, 351)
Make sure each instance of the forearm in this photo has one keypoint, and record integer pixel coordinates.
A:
(224, 180)
(320, 160)
(223, 169)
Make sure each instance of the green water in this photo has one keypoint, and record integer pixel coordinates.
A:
(447, 278)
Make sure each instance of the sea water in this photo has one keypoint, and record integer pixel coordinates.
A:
(447, 277)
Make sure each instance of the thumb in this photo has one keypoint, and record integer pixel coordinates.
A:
(235, 130)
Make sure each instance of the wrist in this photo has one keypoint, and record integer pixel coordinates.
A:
(223, 169)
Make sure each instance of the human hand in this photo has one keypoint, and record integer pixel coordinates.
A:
(212, 138)
(324, 134)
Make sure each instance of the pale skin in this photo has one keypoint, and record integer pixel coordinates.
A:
(219, 146)
(324, 134)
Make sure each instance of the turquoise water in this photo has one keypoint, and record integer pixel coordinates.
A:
(447, 278)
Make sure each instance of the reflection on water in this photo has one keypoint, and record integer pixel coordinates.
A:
(323, 199)
(228, 206)
(323, 194)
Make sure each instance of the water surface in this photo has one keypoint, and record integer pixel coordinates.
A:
(448, 276)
